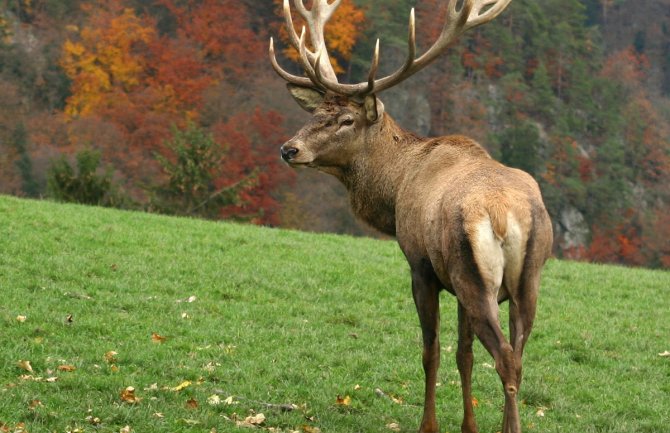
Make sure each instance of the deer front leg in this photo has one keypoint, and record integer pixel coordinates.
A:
(425, 290)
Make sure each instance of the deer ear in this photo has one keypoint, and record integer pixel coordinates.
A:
(374, 109)
(306, 97)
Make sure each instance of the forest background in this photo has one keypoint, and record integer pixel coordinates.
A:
(172, 106)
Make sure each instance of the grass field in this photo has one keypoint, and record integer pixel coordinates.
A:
(213, 323)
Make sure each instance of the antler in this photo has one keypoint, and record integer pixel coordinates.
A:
(317, 64)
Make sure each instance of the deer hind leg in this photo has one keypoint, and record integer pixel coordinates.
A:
(426, 289)
(484, 319)
(464, 360)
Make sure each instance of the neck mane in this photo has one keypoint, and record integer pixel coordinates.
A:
(373, 179)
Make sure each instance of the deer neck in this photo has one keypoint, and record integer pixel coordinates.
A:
(375, 175)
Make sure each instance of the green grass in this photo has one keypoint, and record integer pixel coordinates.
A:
(284, 317)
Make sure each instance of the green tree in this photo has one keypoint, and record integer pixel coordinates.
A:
(520, 146)
(24, 162)
(193, 171)
(87, 183)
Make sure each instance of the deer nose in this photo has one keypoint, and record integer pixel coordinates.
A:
(288, 153)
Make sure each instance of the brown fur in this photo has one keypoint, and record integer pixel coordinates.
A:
(465, 222)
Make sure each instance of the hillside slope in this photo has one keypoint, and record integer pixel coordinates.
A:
(190, 313)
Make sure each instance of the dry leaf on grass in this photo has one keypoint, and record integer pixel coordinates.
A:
(126, 429)
(183, 385)
(66, 368)
(665, 354)
(394, 426)
(21, 319)
(34, 404)
(192, 403)
(128, 396)
(214, 400)
(310, 429)
(25, 365)
(93, 420)
(252, 421)
(156, 338)
(110, 357)
(343, 401)
(152, 387)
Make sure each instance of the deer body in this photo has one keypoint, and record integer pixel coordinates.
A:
(466, 223)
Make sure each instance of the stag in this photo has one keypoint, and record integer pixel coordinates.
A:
(465, 223)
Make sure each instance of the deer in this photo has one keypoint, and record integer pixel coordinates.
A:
(465, 223)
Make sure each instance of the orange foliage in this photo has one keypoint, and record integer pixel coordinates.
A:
(626, 66)
(108, 55)
(341, 32)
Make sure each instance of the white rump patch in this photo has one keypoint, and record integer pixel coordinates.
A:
(488, 252)
(514, 250)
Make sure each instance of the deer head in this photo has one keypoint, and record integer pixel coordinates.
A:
(344, 115)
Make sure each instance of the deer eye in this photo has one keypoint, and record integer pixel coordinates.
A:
(347, 121)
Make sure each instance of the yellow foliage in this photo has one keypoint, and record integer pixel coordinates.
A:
(105, 59)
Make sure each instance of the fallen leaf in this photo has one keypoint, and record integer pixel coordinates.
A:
(157, 338)
(310, 429)
(126, 429)
(128, 395)
(183, 385)
(396, 400)
(190, 421)
(343, 401)
(192, 403)
(229, 400)
(34, 404)
(185, 316)
(159, 415)
(66, 368)
(357, 387)
(152, 387)
(51, 379)
(94, 420)
(25, 365)
(110, 357)
(394, 426)
(665, 354)
(540, 411)
(214, 400)
(189, 299)
(114, 368)
(69, 319)
(21, 319)
(252, 421)
(475, 402)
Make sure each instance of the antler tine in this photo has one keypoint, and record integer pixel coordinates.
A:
(293, 36)
(294, 79)
(458, 21)
(487, 16)
(318, 67)
(373, 70)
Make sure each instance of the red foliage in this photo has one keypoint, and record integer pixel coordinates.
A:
(261, 160)
(621, 244)
(221, 30)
